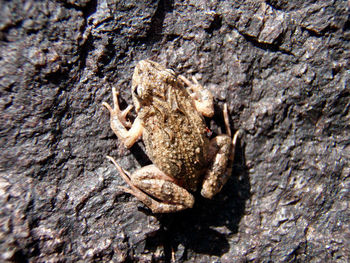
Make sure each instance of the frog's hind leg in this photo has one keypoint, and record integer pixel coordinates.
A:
(221, 157)
(149, 180)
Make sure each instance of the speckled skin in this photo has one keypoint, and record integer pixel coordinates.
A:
(175, 132)
(172, 127)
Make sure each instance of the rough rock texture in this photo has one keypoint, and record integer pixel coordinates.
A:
(282, 67)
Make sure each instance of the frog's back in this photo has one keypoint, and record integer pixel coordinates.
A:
(175, 137)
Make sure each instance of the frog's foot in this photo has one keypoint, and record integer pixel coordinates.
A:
(149, 182)
(119, 124)
(203, 99)
(227, 121)
(116, 112)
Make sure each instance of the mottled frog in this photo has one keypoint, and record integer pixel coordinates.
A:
(170, 110)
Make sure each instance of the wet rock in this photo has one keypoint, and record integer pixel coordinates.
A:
(281, 66)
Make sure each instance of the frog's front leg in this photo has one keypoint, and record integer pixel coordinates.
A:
(203, 99)
(149, 181)
(119, 122)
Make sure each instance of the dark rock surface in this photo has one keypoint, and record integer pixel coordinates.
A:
(282, 67)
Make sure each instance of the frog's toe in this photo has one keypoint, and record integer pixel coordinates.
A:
(115, 112)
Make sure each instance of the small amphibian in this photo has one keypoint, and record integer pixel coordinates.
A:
(170, 111)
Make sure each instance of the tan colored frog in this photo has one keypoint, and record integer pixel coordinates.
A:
(169, 118)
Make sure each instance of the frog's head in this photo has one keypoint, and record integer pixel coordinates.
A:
(149, 81)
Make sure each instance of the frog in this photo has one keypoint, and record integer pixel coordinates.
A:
(171, 111)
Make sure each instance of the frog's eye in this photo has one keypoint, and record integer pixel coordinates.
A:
(138, 91)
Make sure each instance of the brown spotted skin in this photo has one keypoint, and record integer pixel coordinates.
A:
(175, 133)
(170, 121)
